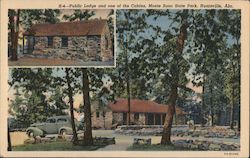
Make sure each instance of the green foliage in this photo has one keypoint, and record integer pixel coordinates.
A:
(155, 147)
(33, 16)
(32, 101)
(56, 146)
(79, 15)
(211, 54)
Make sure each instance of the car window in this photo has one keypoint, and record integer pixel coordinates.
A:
(52, 120)
(61, 120)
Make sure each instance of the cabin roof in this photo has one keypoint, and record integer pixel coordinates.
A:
(75, 28)
(141, 106)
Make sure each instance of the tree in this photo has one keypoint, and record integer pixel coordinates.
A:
(79, 15)
(128, 69)
(14, 16)
(9, 141)
(25, 18)
(110, 22)
(175, 78)
(211, 53)
(233, 59)
(37, 96)
(167, 50)
(71, 102)
(88, 139)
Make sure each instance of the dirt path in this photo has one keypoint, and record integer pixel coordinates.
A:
(18, 138)
(28, 61)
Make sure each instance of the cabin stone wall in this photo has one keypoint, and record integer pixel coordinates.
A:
(106, 45)
(84, 48)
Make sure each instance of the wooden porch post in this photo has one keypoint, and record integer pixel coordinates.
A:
(154, 118)
(161, 119)
(23, 44)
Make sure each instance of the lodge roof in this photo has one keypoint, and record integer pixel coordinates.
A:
(141, 106)
(75, 28)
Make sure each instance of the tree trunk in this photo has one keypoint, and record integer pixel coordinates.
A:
(211, 105)
(232, 98)
(71, 102)
(9, 141)
(239, 120)
(232, 111)
(128, 96)
(14, 35)
(88, 139)
(238, 83)
(127, 83)
(166, 135)
(203, 103)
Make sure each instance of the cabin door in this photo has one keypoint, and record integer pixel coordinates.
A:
(30, 45)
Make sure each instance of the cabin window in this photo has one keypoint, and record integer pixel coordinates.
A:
(64, 41)
(97, 114)
(136, 116)
(50, 41)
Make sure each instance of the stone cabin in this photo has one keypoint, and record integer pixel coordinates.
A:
(88, 40)
(143, 112)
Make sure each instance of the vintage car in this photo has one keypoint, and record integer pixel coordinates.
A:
(54, 125)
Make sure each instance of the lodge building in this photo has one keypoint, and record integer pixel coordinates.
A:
(142, 112)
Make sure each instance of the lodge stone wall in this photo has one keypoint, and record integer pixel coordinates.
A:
(141, 120)
(101, 121)
(84, 48)
(117, 118)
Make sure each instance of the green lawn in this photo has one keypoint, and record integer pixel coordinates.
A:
(155, 147)
(55, 146)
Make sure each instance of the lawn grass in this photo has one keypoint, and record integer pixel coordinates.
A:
(55, 146)
(156, 147)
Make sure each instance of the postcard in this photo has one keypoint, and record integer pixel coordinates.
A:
(124, 78)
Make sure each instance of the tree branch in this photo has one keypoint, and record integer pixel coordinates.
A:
(185, 88)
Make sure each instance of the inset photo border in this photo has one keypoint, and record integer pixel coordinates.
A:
(61, 37)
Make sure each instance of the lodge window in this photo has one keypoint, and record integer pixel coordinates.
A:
(64, 41)
(50, 41)
(136, 116)
(97, 114)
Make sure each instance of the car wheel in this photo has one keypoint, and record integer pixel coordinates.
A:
(30, 134)
(63, 132)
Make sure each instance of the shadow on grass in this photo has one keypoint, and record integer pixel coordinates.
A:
(56, 146)
(156, 147)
